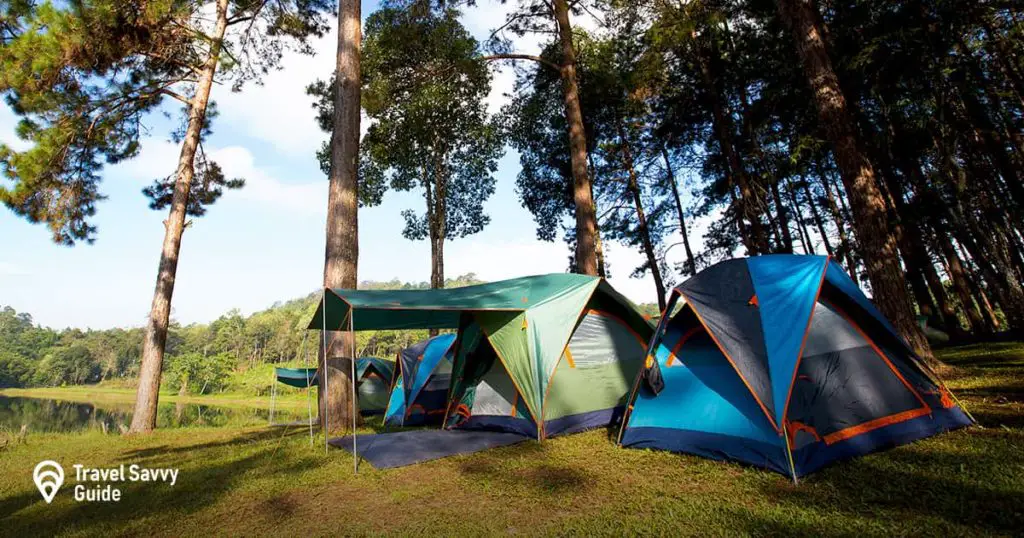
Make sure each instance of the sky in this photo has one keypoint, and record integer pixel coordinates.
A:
(265, 243)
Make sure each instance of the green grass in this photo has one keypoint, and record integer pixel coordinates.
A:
(271, 481)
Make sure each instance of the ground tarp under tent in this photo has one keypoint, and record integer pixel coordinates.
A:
(781, 362)
(539, 356)
(420, 393)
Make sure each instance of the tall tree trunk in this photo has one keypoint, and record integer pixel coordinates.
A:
(1008, 128)
(845, 246)
(819, 223)
(436, 211)
(641, 217)
(1005, 57)
(958, 276)
(670, 176)
(598, 243)
(805, 238)
(586, 210)
(756, 241)
(148, 392)
(780, 207)
(989, 254)
(341, 257)
(878, 246)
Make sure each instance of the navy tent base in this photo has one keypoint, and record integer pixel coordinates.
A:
(398, 449)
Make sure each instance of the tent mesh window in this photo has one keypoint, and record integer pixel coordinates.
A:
(495, 393)
(597, 368)
(601, 339)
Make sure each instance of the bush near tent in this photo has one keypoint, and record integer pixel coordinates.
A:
(422, 379)
(781, 362)
(540, 355)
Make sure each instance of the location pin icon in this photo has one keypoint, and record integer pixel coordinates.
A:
(48, 476)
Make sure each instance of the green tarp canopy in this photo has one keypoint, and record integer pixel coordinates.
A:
(527, 320)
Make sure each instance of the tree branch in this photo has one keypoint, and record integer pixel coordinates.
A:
(531, 57)
(176, 95)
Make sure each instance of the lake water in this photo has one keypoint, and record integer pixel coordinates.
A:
(42, 415)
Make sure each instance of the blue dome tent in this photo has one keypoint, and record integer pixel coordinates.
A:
(781, 362)
(419, 394)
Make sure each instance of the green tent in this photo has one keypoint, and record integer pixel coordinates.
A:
(540, 355)
(374, 377)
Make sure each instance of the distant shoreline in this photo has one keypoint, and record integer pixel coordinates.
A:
(100, 394)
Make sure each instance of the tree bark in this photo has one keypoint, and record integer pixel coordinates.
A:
(879, 248)
(341, 256)
(670, 176)
(586, 210)
(148, 393)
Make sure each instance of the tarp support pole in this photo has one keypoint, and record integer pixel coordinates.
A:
(323, 386)
(789, 456)
(273, 396)
(352, 332)
(309, 389)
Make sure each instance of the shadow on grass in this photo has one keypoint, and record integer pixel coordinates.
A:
(522, 467)
(909, 485)
(998, 417)
(247, 438)
(1002, 393)
(199, 485)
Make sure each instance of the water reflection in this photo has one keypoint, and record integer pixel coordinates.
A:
(42, 415)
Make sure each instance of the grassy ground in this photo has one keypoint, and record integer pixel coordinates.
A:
(271, 481)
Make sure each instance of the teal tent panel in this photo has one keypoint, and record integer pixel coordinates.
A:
(385, 368)
(296, 377)
(440, 308)
(549, 328)
(787, 289)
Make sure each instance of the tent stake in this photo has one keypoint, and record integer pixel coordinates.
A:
(352, 332)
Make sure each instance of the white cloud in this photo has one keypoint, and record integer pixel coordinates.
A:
(278, 111)
(263, 187)
(11, 269)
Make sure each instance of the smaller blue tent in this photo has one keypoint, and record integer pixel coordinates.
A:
(420, 392)
(781, 362)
